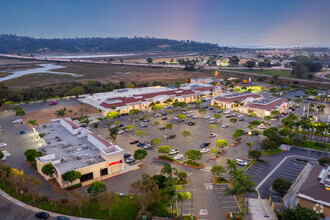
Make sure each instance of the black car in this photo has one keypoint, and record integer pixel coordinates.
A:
(127, 155)
(147, 120)
(121, 125)
(162, 128)
(41, 215)
(164, 118)
(211, 108)
(163, 113)
(241, 119)
(228, 116)
(141, 119)
(220, 111)
(205, 144)
(169, 136)
(191, 123)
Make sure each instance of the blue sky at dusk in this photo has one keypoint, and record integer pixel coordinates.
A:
(231, 22)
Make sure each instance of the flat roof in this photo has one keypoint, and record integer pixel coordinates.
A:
(66, 151)
(231, 97)
(270, 103)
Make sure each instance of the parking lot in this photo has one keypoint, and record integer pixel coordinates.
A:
(255, 169)
(226, 203)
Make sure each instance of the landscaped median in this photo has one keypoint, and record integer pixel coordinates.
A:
(273, 152)
(233, 215)
(219, 155)
(249, 164)
(187, 163)
(219, 180)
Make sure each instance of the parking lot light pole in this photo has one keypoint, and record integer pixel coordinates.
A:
(192, 202)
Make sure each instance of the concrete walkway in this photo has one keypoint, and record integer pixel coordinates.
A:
(34, 209)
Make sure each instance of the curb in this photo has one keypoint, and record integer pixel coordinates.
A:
(181, 164)
(274, 153)
(224, 152)
(213, 181)
(188, 184)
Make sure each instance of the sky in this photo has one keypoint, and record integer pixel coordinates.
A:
(231, 22)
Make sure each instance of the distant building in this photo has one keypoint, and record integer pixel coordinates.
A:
(265, 106)
(228, 100)
(69, 147)
(123, 100)
(315, 192)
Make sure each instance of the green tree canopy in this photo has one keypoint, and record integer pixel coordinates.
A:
(193, 155)
(71, 175)
(140, 154)
(96, 188)
(281, 185)
(111, 115)
(48, 169)
(221, 143)
(169, 126)
(156, 141)
(165, 149)
(32, 154)
(255, 154)
(217, 170)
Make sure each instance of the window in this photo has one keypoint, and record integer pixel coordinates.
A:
(104, 172)
(86, 177)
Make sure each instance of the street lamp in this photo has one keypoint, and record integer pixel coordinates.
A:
(192, 203)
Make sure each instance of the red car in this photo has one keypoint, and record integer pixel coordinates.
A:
(134, 142)
(53, 103)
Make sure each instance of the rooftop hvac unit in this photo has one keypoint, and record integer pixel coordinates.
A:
(78, 157)
(71, 149)
(99, 155)
(85, 146)
(91, 160)
(64, 159)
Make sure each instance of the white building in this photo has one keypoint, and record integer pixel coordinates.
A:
(123, 100)
(69, 147)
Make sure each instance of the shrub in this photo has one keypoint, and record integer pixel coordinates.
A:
(192, 163)
(281, 185)
(166, 157)
(324, 161)
(287, 140)
(74, 186)
(220, 179)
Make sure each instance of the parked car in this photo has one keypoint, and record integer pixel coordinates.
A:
(163, 113)
(211, 108)
(164, 118)
(17, 121)
(207, 116)
(170, 136)
(172, 152)
(22, 132)
(121, 125)
(189, 115)
(130, 160)
(212, 135)
(240, 116)
(246, 131)
(226, 112)
(134, 142)
(178, 157)
(233, 115)
(205, 144)
(261, 127)
(148, 146)
(157, 115)
(203, 151)
(53, 103)
(3, 144)
(121, 132)
(143, 124)
(141, 144)
(127, 155)
(162, 128)
(220, 111)
(241, 162)
(212, 118)
(61, 218)
(194, 117)
(147, 120)
(41, 215)
(228, 116)
(212, 122)
(190, 111)
(225, 125)
(191, 123)
(241, 119)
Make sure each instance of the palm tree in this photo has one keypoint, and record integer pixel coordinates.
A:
(168, 169)
(113, 134)
(232, 166)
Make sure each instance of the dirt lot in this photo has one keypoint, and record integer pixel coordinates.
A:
(44, 116)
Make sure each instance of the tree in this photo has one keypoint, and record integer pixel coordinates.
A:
(274, 113)
(281, 185)
(33, 122)
(31, 155)
(4, 172)
(250, 145)
(133, 113)
(48, 170)
(233, 120)
(169, 126)
(252, 114)
(149, 60)
(198, 102)
(182, 196)
(168, 169)
(298, 213)
(324, 161)
(140, 154)
(96, 188)
(76, 91)
(60, 113)
(111, 115)
(181, 117)
(217, 117)
(165, 149)
(182, 176)
(156, 141)
(299, 71)
(71, 175)
(157, 107)
(17, 178)
(141, 134)
(284, 132)
(79, 199)
(1, 155)
(232, 165)
(193, 155)
(113, 133)
(221, 143)
(156, 123)
(211, 127)
(146, 192)
(185, 134)
(255, 154)
(202, 111)
(31, 182)
(250, 63)
(268, 144)
(254, 124)
(237, 135)
(234, 60)
(217, 170)
(214, 151)
(129, 128)
(107, 199)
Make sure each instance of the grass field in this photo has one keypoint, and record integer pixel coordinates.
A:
(3, 74)
(328, 76)
(282, 73)
(106, 73)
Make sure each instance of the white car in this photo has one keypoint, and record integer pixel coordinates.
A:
(178, 157)
(212, 122)
(207, 116)
(189, 115)
(212, 118)
(261, 127)
(17, 121)
(226, 112)
(241, 162)
(143, 124)
(3, 144)
(121, 132)
(225, 125)
(189, 111)
(240, 116)
(172, 152)
(212, 135)
(194, 117)
(203, 151)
